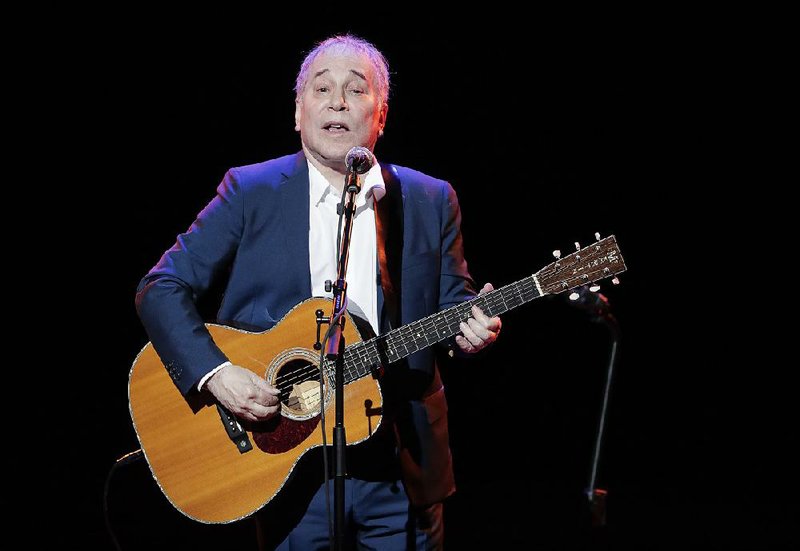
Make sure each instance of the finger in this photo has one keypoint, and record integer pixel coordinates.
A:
(470, 335)
(478, 314)
(479, 328)
(492, 324)
(265, 393)
(241, 413)
(255, 393)
(246, 416)
(486, 288)
(464, 344)
(273, 399)
(495, 324)
(259, 412)
(264, 385)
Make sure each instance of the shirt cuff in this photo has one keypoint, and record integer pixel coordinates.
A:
(208, 375)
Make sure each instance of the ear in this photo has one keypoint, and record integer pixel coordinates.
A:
(298, 113)
(382, 118)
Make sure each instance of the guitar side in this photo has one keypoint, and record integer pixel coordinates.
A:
(196, 465)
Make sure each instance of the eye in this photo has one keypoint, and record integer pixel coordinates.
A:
(322, 89)
(356, 91)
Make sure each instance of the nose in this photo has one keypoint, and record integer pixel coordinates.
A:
(338, 103)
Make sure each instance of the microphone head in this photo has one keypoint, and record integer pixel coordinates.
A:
(359, 159)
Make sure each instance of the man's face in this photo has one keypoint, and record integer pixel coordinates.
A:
(339, 108)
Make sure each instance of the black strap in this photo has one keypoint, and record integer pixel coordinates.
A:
(235, 431)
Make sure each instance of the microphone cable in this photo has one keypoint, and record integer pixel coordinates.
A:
(126, 459)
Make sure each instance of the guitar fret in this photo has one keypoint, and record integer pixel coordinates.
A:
(365, 360)
(439, 327)
(521, 297)
(500, 304)
(351, 362)
(391, 349)
(532, 292)
(405, 352)
(509, 297)
(419, 335)
(485, 304)
(368, 359)
(428, 326)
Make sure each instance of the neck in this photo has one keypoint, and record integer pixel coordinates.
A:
(334, 175)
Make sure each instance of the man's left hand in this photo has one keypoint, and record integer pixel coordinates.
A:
(479, 331)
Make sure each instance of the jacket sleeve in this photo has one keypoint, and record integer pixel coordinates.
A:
(166, 297)
(455, 283)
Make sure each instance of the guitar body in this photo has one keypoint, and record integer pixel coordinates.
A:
(194, 461)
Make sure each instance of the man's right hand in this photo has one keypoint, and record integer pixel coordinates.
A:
(244, 393)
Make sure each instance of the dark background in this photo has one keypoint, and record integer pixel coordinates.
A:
(549, 132)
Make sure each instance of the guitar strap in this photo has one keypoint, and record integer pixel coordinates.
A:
(389, 229)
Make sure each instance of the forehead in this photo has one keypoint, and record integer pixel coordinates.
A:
(341, 64)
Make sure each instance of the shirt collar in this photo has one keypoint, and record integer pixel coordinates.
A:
(372, 185)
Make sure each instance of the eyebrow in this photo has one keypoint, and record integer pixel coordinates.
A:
(323, 71)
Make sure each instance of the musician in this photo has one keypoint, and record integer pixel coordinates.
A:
(271, 230)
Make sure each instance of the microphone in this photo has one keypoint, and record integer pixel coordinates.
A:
(359, 160)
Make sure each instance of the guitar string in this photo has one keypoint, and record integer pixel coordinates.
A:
(408, 337)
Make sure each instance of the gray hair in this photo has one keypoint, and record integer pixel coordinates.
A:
(341, 44)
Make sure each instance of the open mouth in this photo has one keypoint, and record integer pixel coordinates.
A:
(336, 127)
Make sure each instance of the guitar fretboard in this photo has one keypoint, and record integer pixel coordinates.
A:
(361, 358)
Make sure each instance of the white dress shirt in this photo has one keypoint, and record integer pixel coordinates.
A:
(362, 265)
(362, 273)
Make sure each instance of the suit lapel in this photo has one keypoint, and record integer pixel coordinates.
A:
(294, 211)
(389, 228)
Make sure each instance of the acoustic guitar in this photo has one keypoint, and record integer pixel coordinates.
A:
(215, 468)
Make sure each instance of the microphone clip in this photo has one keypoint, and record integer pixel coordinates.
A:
(352, 182)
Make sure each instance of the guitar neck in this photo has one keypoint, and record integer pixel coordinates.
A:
(360, 358)
(597, 261)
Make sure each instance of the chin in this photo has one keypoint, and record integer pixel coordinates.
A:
(332, 153)
(336, 153)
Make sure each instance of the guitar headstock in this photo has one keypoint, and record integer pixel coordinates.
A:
(592, 263)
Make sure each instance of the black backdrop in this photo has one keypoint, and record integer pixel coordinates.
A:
(548, 134)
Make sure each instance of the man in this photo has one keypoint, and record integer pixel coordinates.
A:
(273, 227)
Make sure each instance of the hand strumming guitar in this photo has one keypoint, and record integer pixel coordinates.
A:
(244, 393)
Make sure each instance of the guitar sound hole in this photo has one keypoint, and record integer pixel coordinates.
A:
(298, 381)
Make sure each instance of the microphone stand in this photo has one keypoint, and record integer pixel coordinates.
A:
(596, 496)
(335, 351)
(600, 308)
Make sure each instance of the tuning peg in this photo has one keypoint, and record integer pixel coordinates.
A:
(574, 295)
(597, 235)
(557, 254)
(577, 246)
(615, 281)
(594, 288)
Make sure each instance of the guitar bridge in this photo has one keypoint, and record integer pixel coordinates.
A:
(235, 431)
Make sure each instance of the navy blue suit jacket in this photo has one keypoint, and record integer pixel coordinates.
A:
(255, 233)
